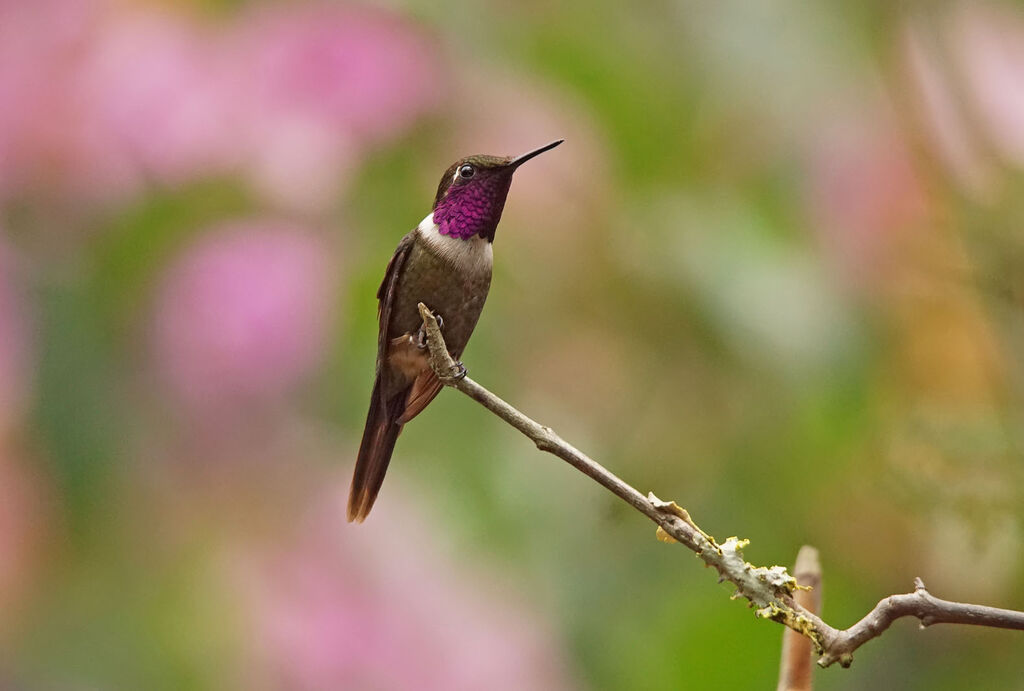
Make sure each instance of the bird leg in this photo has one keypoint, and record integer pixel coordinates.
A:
(420, 341)
(421, 335)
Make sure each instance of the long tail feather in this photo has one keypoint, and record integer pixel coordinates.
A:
(379, 436)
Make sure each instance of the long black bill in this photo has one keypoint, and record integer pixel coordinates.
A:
(520, 160)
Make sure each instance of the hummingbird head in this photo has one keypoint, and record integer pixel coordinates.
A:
(472, 193)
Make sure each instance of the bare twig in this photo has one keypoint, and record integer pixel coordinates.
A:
(921, 604)
(769, 589)
(795, 670)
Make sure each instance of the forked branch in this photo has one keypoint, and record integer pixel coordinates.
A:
(769, 589)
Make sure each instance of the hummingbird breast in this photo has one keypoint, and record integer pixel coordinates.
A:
(451, 276)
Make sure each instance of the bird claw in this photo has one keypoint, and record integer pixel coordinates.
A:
(459, 371)
(421, 335)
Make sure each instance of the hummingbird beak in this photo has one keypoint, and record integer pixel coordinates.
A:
(520, 160)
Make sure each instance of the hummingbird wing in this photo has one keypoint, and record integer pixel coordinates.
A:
(386, 295)
(386, 406)
(426, 385)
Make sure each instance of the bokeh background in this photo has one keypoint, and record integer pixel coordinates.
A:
(775, 273)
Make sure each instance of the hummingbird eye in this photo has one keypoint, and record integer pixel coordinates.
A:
(467, 171)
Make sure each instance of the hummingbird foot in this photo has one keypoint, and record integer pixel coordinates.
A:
(421, 335)
(459, 371)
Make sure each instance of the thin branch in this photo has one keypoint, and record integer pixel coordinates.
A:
(795, 670)
(769, 589)
(921, 604)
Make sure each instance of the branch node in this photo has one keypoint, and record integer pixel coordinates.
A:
(545, 444)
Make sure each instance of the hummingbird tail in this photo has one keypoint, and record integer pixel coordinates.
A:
(375, 450)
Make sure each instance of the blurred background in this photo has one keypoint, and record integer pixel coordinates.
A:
(775, 273)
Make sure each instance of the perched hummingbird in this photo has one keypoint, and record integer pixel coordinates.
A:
(444, 263)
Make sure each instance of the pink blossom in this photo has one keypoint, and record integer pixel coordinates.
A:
(47, 138)
(365, 72)
(155, 82)
(323, 82)
(244, 312)
(374, 607)
(97, 99)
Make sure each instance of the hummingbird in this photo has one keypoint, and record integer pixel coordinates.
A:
(445, 263)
